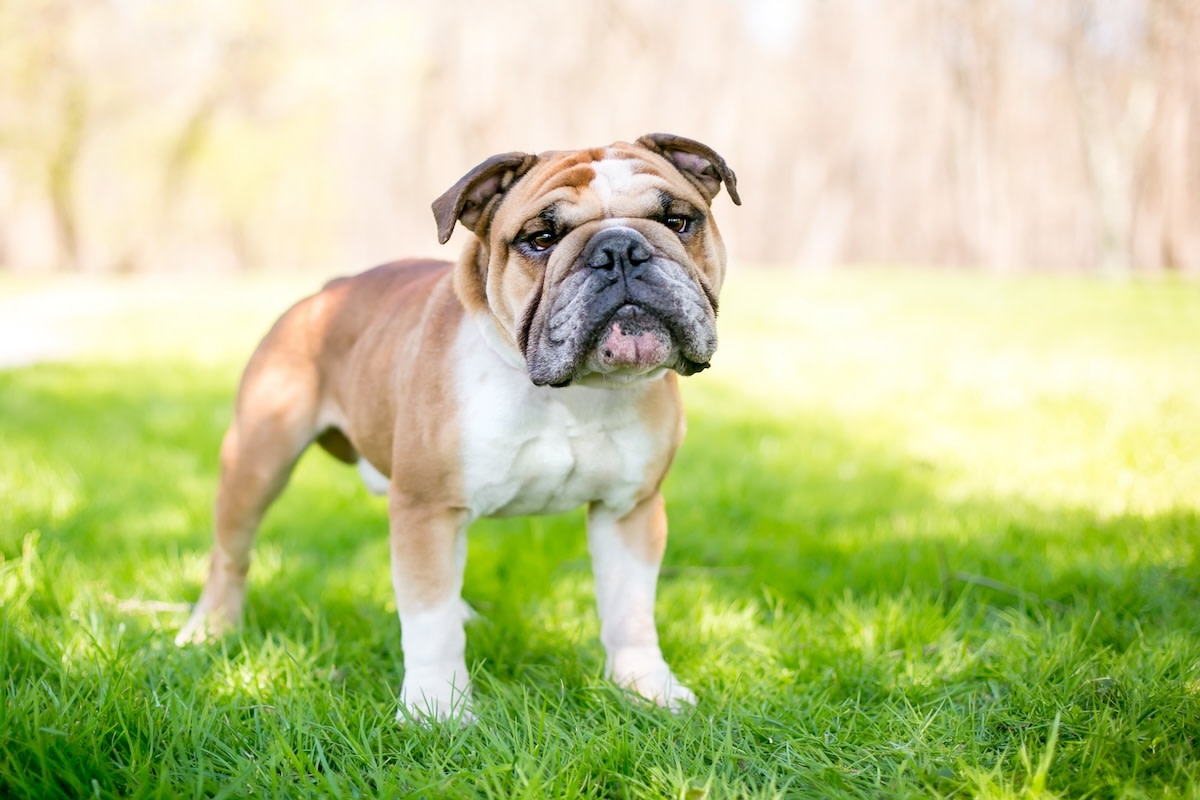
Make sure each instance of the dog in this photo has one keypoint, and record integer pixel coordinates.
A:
(534, 375)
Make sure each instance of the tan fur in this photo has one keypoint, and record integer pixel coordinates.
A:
(330, 371)
(644, 529)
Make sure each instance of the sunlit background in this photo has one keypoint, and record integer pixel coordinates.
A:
(146, 136)
(935, 530)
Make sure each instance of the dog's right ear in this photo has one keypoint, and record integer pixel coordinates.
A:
(697, 162)
(470, 199)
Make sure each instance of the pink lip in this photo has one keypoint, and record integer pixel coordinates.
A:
(642, 349)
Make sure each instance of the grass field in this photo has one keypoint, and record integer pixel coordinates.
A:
(933, 535)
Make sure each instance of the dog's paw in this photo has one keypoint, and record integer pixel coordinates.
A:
(208, 623)
(200, 629)
(436, 693)
(644, 672)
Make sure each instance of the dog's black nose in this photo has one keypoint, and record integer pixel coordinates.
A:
(618, 250)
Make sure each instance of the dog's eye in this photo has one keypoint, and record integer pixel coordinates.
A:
(543, 240)
(678, 223)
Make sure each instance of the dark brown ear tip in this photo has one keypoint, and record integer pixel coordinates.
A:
(663, 143)
(445, 215)
(660, 138)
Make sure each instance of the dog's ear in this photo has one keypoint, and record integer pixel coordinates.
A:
(468, 200)
(698, 162)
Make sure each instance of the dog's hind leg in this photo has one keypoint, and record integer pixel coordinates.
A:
(275, 421)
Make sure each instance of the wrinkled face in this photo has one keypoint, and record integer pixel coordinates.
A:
(603, 266)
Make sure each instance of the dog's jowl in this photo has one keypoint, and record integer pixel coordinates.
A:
(534, 375)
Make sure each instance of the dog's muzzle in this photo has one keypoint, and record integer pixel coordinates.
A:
(625, 308)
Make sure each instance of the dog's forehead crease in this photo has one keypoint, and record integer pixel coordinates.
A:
(613, 185)
(571, 213)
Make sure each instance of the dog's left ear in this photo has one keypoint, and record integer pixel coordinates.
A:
(698, 162)
(469, 199)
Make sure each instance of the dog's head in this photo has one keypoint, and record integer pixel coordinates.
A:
(599, 265)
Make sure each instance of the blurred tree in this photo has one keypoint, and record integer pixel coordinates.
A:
(1166, 231)
(235, 134)
(46, 108)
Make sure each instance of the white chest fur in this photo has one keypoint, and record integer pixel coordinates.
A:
(537, 450)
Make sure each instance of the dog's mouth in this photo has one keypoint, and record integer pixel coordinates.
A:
(631, 342)
(632, 339)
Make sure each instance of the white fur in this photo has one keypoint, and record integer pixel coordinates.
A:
(538, 450)
(625, 589)
(436, 681)
(486, 325)
(435, 669)
(615, 178)
(375, 481)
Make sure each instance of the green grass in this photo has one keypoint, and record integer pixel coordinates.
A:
(933, 535)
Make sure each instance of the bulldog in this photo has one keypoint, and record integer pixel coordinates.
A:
(534, 375)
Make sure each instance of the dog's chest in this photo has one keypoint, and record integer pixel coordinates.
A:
(537, 450)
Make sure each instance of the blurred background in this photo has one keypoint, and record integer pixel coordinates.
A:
(200, 135)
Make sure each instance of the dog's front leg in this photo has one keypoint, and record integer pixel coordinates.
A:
(626, 553)
(429, 553)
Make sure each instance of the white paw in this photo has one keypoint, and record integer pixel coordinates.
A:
(643, 670)
(436, 693)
